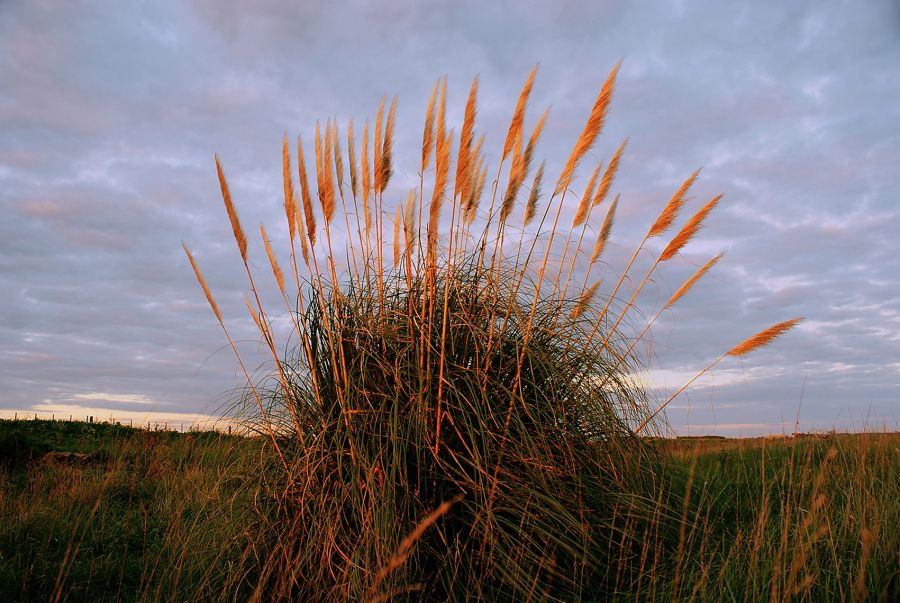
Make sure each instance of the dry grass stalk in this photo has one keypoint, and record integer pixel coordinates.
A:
(397, 219)
(338, 158)
(521, 164)
(477, 191)
(585, 300)
(305, 195)
(763, 338)
(351, 157)
(591, 130)
(301, 234)
(326, 185)
(535, 195)
(605, 231)
(377, 149)
(472, 194)
(609, 175)
(366, 173)
(464, 155)
(409, 223)
(276, 270)
(428, 134)
(441, 168)
(686, 286)
(202, 281)
(386, 168)
(239, 235)
(518, 118)
(585, 203)
(670, 211)
(689, 230)
(289, 198)
(400, 557)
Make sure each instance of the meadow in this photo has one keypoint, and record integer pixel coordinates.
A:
(455, 408)
(165, 516)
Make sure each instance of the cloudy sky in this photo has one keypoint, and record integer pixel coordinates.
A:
(110, 114)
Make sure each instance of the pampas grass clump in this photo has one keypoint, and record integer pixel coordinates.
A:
(460, 415)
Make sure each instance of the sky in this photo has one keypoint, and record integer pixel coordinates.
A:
(111, 113)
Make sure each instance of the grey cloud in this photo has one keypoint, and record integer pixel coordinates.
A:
(110, 115)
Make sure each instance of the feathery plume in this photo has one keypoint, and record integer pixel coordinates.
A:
(304, 246)
(276, 270)
(584, 301)
(441, 115)
(464, 155)
(585, 203)
(253, 314)
(376, 166)
(521, 163)
(684, 288)
(386, 148)
(609, 174)
(442, 167)
(202, 281)
(535, 195)
(307, 198)
(338, 159)
(763, 338)
(591, 129)
(366, 174)
(477, 191)
(670, 212)
(366, 178)
(239, 235)
(326, 186)
(428, 135)
(518, 118)
(605, 230)
(689, 230)
(288, 188)
(397, 218)
(351, 156)
(409, 222)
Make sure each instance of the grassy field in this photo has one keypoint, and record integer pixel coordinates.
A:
(164, 516)
(462, 419)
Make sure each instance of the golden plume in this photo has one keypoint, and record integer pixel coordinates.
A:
(209, 297)
(591, 129)
(763, 338)
(307, 198)
(585, 203)
(276, 270)
(584, 301)
(609, 174)
(605, 231)
(518, 118)
(351, 157)
(689, 230)
(670, 212)
(386, 148)
(463, 157)
(428, 134)
(684, 288)
(239, 235)
(535, 195)
(288, 188)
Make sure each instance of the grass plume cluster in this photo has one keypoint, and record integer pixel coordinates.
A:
(459, 415)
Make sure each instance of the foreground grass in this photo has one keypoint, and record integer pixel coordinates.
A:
(149, 516)
(167, 516)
